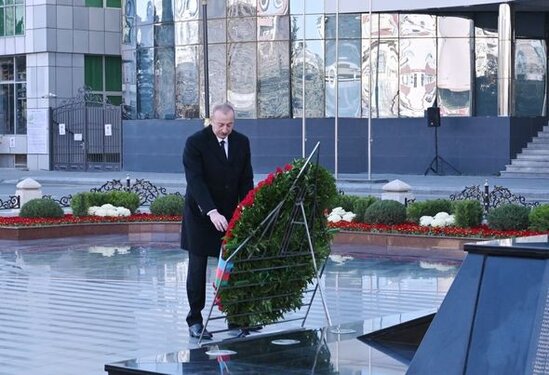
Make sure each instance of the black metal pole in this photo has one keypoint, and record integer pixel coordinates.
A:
(205, 47)
(436, 150)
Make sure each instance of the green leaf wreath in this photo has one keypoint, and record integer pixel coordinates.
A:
(274, 267)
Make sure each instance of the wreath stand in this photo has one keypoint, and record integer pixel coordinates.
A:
(298, 218)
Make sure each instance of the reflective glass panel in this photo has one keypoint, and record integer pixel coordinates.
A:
(273, 28)
(273, 80)
(6, 109)
(417, 88)
(145, 83)
(6, 69)
(417, 25)
(164, 35)
(217, 31)
(20, 68)
(19, 20)
(384, 79)
(454, 76)
(21, 110)
(145, 36)
(486, 72)
(216, 9)
(9, 19)
(186, 81)
(349, 77)
(164, 83)
(163, 10)
(312, 59)
(217, 66)
(128, 23)
(452, 27)
(311, 6)
(530, 77)
(384, 25)
(187, 33)
(241, 29)
(242, 78)
(145, 12)
(349, 26)
(186, 10)
(314, 27)
(241, 8)
(272, 7)
(129, 87)
(486, 24)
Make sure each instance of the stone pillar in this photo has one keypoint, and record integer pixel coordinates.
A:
(505, 60)
(28, 189)
(398, 191)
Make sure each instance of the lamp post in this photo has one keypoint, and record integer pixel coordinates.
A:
(336, 82)
(370, 93)
(205, 47)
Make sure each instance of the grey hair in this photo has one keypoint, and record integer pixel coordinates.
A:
(223, 108)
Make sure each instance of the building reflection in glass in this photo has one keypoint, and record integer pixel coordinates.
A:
(417, 75)
(530, 77)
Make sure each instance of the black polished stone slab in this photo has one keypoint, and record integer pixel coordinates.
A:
(495, 317)
(317, 351)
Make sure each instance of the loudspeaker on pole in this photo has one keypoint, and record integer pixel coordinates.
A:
(433, 117)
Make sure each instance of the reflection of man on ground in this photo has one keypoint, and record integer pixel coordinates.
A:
(219, 174)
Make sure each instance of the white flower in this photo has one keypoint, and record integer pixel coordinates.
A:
(348, 216)
(441, 215)
(334, 218)
(450, 220)
(425, 221)
(92, 210)
(108, 210)
(438, 222)
(338, 211)
(339, 259)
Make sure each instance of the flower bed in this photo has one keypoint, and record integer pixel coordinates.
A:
(16, 221)
(409, 228)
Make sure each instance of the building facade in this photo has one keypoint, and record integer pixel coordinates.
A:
(363, 81)
(48, 51)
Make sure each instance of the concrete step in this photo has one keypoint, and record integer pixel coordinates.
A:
(530, 163)
(541, 140)
(525, 169)
(514, 174)
(538, 147)
(537, 157)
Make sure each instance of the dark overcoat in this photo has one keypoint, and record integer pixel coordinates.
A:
(213, 182)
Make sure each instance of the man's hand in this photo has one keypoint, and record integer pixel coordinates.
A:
(218, 220)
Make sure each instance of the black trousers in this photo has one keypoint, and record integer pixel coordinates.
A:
(196, 287)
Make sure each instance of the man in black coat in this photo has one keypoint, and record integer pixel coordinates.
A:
(219, 174)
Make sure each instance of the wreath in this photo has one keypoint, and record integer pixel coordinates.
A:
(270, 272)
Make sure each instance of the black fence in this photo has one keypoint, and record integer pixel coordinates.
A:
(499, 195)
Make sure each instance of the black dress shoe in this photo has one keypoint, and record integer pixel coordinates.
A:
(196, 330)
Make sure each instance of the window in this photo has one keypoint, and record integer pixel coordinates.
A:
(12, 17)
(103, 75)
(103, 3)
(13, 95)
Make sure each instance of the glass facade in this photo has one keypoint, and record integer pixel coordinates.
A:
(12, 17)
(13, 95)
(272, 58)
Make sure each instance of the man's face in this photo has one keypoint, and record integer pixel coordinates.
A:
(222, 123)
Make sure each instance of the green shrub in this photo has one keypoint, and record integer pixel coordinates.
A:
(385, 212)
(41, 207)
(360, 205)
(127, 199)
(80, 202)
(539, 218)
(345, 201)
(428, 208)
(508, 217)
(170, 204)
(468, 213)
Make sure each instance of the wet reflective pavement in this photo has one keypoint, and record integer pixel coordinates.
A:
(71, 306)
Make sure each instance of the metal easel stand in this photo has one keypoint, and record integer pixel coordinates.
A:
(297, 218)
